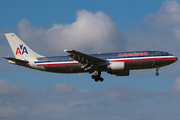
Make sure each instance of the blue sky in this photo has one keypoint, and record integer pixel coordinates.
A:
(126, 13)
(50, 26)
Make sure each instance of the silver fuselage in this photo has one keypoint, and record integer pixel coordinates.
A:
(132, 60)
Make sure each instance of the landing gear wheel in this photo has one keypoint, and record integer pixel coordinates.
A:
(96, 79)
(156, 73)
(93, 76)
(97, 76)
(101, 79)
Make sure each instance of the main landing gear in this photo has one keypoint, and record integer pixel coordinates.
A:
(97, 76)
(157, 73)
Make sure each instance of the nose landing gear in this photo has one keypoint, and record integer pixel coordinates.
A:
(97, 76)
(157, 73)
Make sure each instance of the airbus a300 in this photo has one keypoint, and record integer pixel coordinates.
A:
(118, 64)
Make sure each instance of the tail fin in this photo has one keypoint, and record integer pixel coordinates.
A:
(19, 48)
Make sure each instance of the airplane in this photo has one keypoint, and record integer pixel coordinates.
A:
(119, 63)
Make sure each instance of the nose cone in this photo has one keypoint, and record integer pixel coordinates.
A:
(174, 59)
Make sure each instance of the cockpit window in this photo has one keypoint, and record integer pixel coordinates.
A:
(169, 54)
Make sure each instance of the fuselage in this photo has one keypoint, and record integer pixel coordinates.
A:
(119, 63)
(132, 60)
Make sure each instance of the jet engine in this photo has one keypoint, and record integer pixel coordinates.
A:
(118, 69)
(116, 66)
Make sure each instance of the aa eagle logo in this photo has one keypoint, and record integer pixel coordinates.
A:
(21, 50)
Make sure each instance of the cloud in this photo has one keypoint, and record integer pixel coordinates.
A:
(166, 23)
(4, 46)
(176, 85)
(96, 32)
(168, 15)
(167, 20)
(114, 102)
(8, 112)
(119, 92)
(64, 88)
(9, 91)
(159, 31)
(7, 88)
(91, 32)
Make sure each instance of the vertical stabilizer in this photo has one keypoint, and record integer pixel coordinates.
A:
(19, 48)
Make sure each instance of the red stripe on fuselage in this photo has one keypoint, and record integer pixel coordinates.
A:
(119, 60)
(49, 64)
(139, 59)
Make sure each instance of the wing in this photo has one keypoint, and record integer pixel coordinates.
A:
(88, 62)
(16, 61)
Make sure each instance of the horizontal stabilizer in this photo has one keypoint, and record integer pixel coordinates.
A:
(16, 61)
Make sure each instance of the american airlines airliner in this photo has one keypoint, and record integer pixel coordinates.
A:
(119, 63)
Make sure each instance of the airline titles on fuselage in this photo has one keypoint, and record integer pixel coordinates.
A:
(132, 54)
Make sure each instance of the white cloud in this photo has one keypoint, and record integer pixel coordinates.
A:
(7, 88)
(122, 93)
(91, 32)
(114, 102)
(95, 30)
(159, 31)
(8, 112)
(176, 85)
(64, 88)
(169, 14)
(167, 19)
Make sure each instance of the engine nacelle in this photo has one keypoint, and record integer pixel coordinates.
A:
(120, 73)
(116, 66)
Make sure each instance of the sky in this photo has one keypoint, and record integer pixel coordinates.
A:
(90, 26)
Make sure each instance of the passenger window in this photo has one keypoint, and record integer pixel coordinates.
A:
(158, 53)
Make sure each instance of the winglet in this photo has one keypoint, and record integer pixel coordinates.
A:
(65, 50)
(68, 50)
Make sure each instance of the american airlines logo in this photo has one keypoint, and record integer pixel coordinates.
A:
(133, 54)
(21, 50)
